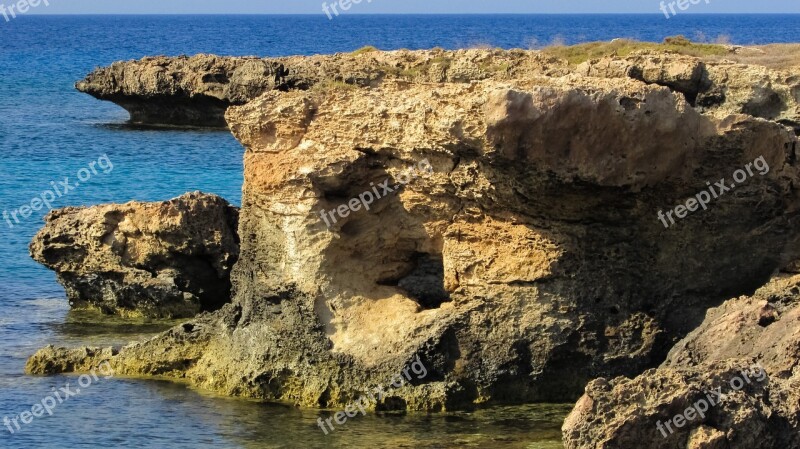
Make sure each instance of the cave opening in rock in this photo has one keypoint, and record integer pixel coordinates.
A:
(425, 281)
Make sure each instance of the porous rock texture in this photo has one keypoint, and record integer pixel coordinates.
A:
(759, 330)
(717, 88)
(170, 259)
(629, 414)
(197, 90)
(537, 223)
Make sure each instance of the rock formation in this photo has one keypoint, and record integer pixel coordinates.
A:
(518, 259)
(760, 411)
(197, 90)
(696, 408)
(526, 203)
(162, 260)
(716, 88)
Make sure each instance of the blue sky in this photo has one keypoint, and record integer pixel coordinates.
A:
(401, 6)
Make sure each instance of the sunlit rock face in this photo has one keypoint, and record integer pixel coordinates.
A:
(512, 240)
(170, 259)
(197, 90)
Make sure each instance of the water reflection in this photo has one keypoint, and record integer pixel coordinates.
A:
(256, 425)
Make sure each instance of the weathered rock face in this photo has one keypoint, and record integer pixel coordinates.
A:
(164, 260)
(716, 88)
(762, 325)
(197, 90)
(713, 414)
(540, 213)
(531, 218)
(759, 330)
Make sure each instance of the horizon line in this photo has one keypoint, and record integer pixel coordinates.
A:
(413, 14)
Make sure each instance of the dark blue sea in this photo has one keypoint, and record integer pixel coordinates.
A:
(49, 132)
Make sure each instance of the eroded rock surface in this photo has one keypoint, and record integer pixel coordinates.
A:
(759, 330)
(537, 224)
(627, 414)
(718, 88)
(197, 90)
(164, 260)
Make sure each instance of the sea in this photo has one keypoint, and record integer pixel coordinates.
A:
(49, 132)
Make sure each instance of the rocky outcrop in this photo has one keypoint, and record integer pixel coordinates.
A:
(164, 260)
(197, 90)
(685, 74)
(747, 348)
(762, 325)
(719, 88)
(52, 361)
(723, 405)
(527, 207)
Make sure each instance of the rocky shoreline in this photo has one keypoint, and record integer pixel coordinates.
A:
(197, 90)
(158, 260)
(537, 226)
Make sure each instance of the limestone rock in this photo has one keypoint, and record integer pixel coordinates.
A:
(528, 206)
(763, 415)
(720, 88)
(685, 74)
(197, 90)
(51, 360)
(753, 90)
(168, 260)
(680, 408)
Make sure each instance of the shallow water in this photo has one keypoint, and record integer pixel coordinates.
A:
(48, 131)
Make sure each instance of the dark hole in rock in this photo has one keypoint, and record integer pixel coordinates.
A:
(767, 315)
(792, 124)
(710, 100)
(629, 103)
(337, 197)
(352, 228)
(764, 104)
(220, 78)
(324, 398)
(425, 283)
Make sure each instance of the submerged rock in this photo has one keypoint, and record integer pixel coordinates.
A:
(163, 260)
(503, 232)
(747, 348)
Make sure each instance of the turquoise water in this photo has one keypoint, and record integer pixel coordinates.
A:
(48, 131)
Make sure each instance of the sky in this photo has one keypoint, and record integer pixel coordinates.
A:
(401, 6)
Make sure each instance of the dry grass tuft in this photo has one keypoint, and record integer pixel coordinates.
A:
(773, 56)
